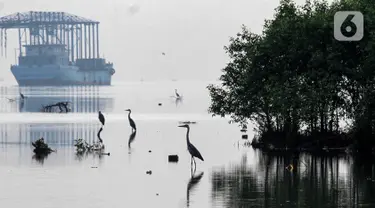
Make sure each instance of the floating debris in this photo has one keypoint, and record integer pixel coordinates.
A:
(149, 151)
(159, 104)
(173, 158)
(82, 146)
(40, 147)
(62, 106)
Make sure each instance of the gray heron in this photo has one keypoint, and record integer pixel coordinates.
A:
(131, 121)
(191, 148)
(22, 96)
(101, 118)
(177, 95)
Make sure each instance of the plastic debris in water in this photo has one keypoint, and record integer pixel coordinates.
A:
(173, 158)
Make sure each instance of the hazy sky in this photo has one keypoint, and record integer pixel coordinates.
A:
(133, 34)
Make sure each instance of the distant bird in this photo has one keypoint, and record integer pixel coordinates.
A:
(11, 100)
(131, 121)
(177, 95)
(101, 118)
(192, 150)
(22, 96)
(163, 54)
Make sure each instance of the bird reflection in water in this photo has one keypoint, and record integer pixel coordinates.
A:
(131, 138)
(194, 180)
(178, 101)
(22, 104)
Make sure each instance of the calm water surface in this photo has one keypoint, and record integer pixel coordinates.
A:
(232, 175)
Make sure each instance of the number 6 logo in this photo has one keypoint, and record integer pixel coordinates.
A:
(348, 26)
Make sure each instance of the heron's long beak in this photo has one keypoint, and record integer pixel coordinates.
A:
(181, 126)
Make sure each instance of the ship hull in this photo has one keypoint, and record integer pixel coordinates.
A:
(59, 75)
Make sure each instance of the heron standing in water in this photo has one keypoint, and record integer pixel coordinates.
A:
(101, 118)
(177, 95)
(131, 121)
(191, 148)
(22, 96)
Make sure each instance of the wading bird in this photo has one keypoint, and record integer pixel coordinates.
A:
(131, 121)
(192, 150)
(22, 96)
(177, 95)
(101, 118)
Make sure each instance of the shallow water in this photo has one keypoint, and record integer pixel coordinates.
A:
(232, 174)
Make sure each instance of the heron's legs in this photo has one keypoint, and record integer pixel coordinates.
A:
(195, 164)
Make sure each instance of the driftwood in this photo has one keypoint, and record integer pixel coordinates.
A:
(62, 106)
(41, 148)
(83, 147)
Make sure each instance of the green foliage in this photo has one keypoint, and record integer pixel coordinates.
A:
(296, 74)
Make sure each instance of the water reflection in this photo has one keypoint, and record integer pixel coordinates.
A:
(178, 100)
(194, 180)
(40, 158)
(315, 182)
(54, 134)
(84, 99)
(131, 138)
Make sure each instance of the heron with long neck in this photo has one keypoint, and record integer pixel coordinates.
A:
(191, 148)
(131, 121)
